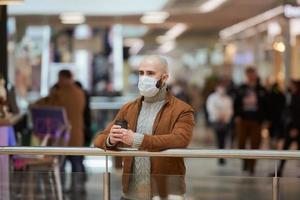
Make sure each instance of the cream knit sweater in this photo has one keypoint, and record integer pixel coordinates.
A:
(139, 185)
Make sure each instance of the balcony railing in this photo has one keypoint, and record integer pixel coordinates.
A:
(186, 153)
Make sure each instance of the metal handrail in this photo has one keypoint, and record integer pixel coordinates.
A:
(186, 153)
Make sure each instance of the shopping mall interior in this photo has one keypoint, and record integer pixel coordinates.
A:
(234, 63)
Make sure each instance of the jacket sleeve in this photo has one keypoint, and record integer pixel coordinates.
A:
(180, 136)
(101, 138)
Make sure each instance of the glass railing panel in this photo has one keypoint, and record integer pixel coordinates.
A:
(204, 188)
(205, 179)
(45, 185)
(289, 188)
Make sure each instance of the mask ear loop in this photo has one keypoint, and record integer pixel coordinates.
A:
(159, 83)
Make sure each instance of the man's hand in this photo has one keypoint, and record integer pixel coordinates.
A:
(115, 135)
(128, 136)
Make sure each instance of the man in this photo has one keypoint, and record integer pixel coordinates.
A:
(292, 118)
(220, 111)
(249, 114)
(69, 96)
(156, 121)
(86, 116)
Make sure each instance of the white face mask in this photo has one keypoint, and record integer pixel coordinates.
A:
(147, 86)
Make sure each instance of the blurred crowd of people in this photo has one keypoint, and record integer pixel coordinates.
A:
(238, 114)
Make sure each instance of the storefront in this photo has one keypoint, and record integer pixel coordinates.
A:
(269, 41)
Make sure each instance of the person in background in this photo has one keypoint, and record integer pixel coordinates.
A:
(86, 116)
(220, 111)
(275, 107)
(249, 108)
(87, 121)
(156, 121)
(293, 122)
(179, 90)
(231, 92)
(67, 95)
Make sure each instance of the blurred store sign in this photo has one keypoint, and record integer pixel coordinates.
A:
(36, 44)
(291, 11)
(11, 2)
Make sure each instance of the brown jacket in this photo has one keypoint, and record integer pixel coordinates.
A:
(172, 128)
(73, 100)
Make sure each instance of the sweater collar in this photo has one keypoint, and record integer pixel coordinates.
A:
(160, 96)
(168, 98)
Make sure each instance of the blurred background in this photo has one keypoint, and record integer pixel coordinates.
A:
(204, 41)
(102, 42)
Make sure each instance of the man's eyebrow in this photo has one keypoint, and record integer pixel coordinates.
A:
(147, 71)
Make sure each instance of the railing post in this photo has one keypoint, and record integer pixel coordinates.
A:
(106, 181)
(275, 186)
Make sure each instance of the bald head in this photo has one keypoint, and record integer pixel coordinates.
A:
(154, 66)
(155, 62)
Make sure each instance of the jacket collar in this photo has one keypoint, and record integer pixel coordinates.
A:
(139, 101)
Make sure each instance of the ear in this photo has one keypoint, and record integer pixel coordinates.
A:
(165, 77)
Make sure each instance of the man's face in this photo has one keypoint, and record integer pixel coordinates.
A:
(154, 69)
(63, 81)
(251, 77)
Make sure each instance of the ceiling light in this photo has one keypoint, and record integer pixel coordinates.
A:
(162, 39)
(161, 14)
(167, 47)
(279, 46)
(152, 20)
(241, 26)
(211, 5)
(154, 17)
(291, 11)
(176, 30)
(11, 2)
(72, 18)
(135, 44)
(274, 28)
